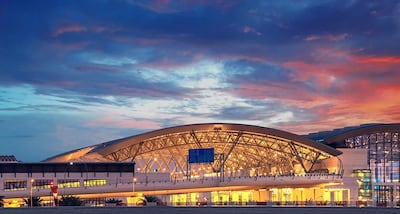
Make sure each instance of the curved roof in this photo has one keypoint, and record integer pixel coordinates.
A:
(238, 148)
(106, 148)
(338, 137)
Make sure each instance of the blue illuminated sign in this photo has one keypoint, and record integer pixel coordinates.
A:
(201, 155)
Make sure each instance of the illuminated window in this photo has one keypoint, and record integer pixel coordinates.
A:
(364, 183)
(42, 184)
(15, 185)
(68, 183)
(94, 182)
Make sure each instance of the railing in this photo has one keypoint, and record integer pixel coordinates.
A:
(187, 183)
(308, 203)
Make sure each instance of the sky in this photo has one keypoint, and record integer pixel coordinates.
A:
(77, 73)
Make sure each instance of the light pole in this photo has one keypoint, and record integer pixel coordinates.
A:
(133, 184)
(133, 174)
(32, 180)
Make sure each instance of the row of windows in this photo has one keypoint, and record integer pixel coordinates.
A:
(42, 183)
(68, 183)
(18, 185)
(94, 182)
(15, 185)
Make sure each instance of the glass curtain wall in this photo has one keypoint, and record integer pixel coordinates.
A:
(384, 162)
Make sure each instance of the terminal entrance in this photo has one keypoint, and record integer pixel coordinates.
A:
(273, 196)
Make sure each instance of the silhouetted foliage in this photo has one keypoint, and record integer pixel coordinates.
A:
(151, 198)
(36, 201)
(113, 200)
(70, 201)
(1, 201)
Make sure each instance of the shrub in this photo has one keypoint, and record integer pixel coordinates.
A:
(70, 201)
(36, 201)
(113, 200)
(1, 201)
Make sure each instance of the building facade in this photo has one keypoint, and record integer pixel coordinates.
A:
(354, 166)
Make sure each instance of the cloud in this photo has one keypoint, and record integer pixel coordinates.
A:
(379, 59)
(328, 37)
(71, 28)
(115, 122)
(115, 68)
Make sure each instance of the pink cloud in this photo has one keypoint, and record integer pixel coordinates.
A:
(102, 29)
(72, 28)
(380, 59)
(312, 38)
(247, 29)
(328, 37)
(351, 91)
(318, 74)
(114, 122)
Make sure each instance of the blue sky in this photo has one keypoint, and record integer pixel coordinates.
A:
(78, 73)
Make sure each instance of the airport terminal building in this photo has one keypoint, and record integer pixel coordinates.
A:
(221, 164)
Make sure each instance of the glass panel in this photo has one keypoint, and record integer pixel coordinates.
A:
(15, 185)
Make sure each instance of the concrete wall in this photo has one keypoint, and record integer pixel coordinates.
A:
(353, 159)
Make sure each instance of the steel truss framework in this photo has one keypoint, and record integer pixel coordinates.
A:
(236, 153)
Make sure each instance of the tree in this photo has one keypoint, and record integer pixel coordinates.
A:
(1, 201)
(36, 201)
(70, 201)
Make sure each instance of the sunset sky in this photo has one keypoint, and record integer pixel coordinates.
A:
(78, 73)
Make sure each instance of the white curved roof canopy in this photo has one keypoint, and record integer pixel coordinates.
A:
(236, 147)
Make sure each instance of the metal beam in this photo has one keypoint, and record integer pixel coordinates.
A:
(232, 147)
(137, 150)
(296, 153)
(196, 140)
(314, 160)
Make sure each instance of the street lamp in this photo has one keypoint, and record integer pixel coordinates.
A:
(133, 184)
(32, 180)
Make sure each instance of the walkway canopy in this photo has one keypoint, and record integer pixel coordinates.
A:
(238, 150)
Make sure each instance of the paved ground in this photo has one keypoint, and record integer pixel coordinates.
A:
(196, 210)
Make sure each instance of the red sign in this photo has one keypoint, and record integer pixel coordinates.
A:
(54, 189)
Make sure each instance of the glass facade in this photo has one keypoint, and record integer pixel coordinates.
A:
(364, 184)
(15, 185)
(383, 161)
